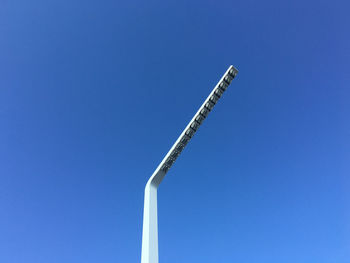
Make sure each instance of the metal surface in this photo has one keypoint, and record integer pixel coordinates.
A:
(150, 218)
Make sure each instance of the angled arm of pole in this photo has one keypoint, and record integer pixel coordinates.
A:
(150, 218)
(192, 126)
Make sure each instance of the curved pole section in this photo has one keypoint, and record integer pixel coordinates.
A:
(150, 220)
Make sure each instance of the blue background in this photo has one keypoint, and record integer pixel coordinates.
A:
(94, 93)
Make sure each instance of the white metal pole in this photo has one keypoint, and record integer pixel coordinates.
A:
(149, 252)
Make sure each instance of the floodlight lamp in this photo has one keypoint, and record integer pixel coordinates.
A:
(150, 226)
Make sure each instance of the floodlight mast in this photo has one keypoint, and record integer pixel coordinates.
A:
(149, 252)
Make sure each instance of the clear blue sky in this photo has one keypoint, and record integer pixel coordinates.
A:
(94, 93)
